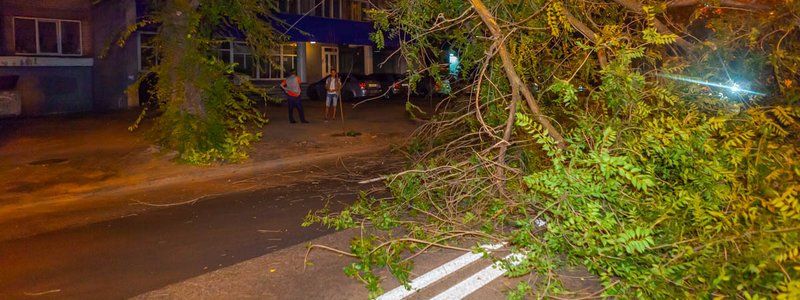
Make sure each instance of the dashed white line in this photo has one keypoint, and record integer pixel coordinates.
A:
(436, 274)
(477, 281)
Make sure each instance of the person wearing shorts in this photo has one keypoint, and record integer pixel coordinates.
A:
(333, 87)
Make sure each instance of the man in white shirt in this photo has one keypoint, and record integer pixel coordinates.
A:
(333, 86)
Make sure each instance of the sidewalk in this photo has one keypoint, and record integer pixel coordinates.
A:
(55, 166)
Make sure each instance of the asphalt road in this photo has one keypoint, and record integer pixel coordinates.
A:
(135, 254)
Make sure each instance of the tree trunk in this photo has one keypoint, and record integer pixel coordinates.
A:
(176, 61)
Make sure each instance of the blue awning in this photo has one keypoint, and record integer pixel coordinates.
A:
(300, 28)
(324, 30)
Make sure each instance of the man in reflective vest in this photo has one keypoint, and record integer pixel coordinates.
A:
(291, 85)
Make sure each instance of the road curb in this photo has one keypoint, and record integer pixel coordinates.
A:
(233, 171)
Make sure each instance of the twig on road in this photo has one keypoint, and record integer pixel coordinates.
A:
(192, 201)
(374, 180)
(43, 293)
(345, 166)
(323, 247)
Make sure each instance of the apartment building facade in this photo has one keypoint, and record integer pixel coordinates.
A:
(47, 46)
(64, 56)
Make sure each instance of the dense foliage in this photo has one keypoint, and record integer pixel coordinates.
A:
(655, 143)
(206, 111)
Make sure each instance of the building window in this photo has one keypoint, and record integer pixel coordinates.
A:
(289, 6)
(148, 56)
(328, 8)
(237, 52)
(279, 64)
(335, 9)
(306, 6)
(224, 52)
(243, 59)
(39, 36)
(281, 60)
(358, 10)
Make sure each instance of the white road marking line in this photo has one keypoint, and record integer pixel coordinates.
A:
(477, 281)
(436, 274)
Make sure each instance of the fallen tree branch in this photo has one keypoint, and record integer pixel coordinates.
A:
(636, 7)
(501, 156)
(724, 3)
(310, 247)
(589, 34)
(511, 73)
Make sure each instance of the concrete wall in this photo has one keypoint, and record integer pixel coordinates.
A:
(50, 90)
(119, 68)
(55, 9)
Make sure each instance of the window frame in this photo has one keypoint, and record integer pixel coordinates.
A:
(359, 6)
(290, 9)
(231, 52)
(141, 45)
(277, 58)
(247, 55)
(59, 36)
(329, 9)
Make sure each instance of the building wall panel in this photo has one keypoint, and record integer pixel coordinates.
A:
(52, 90)
(119, 67)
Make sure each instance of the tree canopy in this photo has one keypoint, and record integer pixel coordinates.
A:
(653, 142)
(206, 110)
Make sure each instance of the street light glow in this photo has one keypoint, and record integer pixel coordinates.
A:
(735, 87)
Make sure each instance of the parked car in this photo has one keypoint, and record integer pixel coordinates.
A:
(428, 86)
(354, 86)
(396, 84)
(392, 84)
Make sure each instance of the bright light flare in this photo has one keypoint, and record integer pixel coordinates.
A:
(735, 87)
(453, 59)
